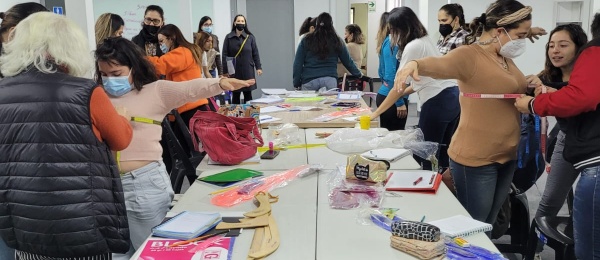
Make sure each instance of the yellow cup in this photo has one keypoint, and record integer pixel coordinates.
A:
(365, 122)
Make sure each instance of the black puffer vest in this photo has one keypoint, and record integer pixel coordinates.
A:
(60, 189)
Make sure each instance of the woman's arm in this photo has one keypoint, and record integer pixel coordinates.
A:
(299, 65)
(108, 125)
(175, 94)
(224, 55)
(344, 56)
(391, 98)
(256, 56)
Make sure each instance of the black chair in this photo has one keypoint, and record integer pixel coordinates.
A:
(557, 231)
(518, 225)
(184, 160)
(354, 83)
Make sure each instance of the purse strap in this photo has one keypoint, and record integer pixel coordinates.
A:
(241, 47)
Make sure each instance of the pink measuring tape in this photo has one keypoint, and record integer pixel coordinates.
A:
(498, 96)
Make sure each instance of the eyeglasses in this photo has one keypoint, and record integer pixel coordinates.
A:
(149, 20)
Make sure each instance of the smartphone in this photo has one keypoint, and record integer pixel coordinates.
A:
(269, 155)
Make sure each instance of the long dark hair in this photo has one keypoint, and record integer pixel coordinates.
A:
(305, 27)
(156, 8)
(17, 13)
(404, 27)
(578, 36)
(202, 21)
(245, 27)
(493, 14)
(201, 38)
(455, 10)
(595, 27)
(324, 38)
(120, 51)
(384, 30)
(172, 32)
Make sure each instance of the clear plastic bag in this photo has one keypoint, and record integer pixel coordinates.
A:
(381, 217)
(349, 194)
(246, 191)
(425, 150)
(285, 134)
(354, 141)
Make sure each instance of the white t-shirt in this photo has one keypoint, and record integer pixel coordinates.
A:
(204, 59)
(427, 87)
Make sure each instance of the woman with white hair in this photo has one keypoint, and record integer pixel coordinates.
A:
(61, 191)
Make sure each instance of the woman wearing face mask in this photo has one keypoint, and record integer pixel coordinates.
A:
(240, 54)
(181, 61)
(131, 82)
(147, 39)
(440, 108)
(452, 28)
(484, 147)
(206, 26)
(561, 53)
(109, 25)
(354, 39)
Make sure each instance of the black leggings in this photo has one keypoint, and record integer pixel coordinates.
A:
(235, 99)
(389, 118)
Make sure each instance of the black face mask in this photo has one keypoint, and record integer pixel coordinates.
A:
(445, 29)
(151, 29)
(240, 26)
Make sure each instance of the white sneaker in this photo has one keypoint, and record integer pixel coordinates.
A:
(537, 256)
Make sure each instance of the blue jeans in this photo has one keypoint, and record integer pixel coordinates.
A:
(438, 120)
(316, 84)
(482, 190)
(213, 73)
(5, 251)
(148, 196)
(586, 215)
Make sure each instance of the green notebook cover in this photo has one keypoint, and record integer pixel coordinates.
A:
(230, 176)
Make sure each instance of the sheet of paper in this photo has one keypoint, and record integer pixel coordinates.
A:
(302, 95)
(271, 109)
(351, 119)
(267, 100)
(275, 91)
(267, 119)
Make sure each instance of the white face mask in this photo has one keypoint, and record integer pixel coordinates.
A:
(513, 48)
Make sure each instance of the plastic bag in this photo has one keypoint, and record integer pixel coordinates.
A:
(285, 134)
(382, 217)
(425, 150)
(247, 191)
(456, 252)
(356, 141)
(349, 194)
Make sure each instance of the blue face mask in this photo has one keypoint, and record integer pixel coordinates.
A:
(207, 29)
(164, 48)
(117, 86)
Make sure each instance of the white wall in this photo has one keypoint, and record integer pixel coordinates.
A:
(82, 13)
(222, 19)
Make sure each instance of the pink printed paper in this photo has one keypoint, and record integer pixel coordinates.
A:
(158, 249)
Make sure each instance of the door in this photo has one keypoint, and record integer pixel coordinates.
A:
(272, 23)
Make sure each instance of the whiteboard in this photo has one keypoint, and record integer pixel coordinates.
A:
(177, 12)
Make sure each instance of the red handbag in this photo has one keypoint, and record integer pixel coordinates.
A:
(226, 140)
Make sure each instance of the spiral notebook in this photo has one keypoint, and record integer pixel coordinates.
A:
(461, 226)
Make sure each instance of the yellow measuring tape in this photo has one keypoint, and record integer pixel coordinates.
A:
(279, 148)
(139, 120)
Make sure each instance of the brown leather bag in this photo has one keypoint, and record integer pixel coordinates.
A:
(447, 179)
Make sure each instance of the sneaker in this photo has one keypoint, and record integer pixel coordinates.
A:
(537, 256)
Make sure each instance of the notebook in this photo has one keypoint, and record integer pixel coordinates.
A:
(227, 178)
(388, 154)
(461, 226)
(187, 225)
(413, 180)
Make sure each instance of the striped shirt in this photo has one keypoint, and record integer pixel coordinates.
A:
(20, 255)
(455, 40)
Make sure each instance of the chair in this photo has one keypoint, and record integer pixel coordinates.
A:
(519, 223)
(556, 232)
(184, 161)
(354, 83)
